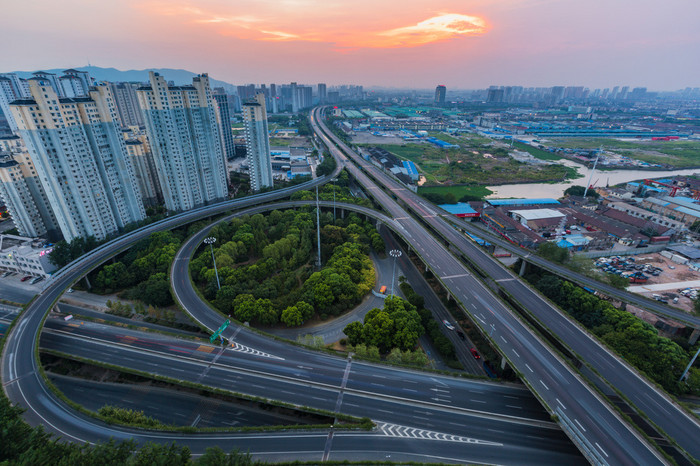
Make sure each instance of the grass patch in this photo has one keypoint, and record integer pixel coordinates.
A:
(535, 152)
(678, 154)
(458, 191)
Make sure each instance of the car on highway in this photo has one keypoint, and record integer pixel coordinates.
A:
(448, 325)
(475, 353)
(25, 278)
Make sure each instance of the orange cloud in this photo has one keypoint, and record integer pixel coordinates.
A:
(438, 28)
(266, 26)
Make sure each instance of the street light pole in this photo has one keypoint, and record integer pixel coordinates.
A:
(395, 253)
(318, 229)
(210, 241)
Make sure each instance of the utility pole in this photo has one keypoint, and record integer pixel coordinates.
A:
(210, 241)
(318, 229)
(395, 253)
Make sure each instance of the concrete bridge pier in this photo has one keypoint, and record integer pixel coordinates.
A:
(523, 267)
(694, 336)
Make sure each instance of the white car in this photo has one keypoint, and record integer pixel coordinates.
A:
(448, 325)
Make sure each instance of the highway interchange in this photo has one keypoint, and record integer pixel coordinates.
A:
(600, 432)
(677, 423)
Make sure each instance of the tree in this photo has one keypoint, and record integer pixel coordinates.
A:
(554, 253)
(291, 317)
(354, 332)
(305, 309)
(579, 190)
(618, 281)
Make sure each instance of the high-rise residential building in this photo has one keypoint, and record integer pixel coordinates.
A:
(295, 97)
(7, 95)
(305, 97)
(322, 93)
(440, 92)
(495, 94)
(52, 79)
(222, 101)
(20, 86)
(80, 158)
(75, 83)
(246, 93)
(182, 127)
(145, 178)
(144, 166)
(257, 143)
(22, 193)
(127, 103)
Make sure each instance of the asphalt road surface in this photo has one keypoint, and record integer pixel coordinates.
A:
(609, 440)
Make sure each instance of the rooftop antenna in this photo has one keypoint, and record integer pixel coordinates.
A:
(592, 171)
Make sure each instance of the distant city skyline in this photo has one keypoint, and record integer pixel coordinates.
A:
(463, 44)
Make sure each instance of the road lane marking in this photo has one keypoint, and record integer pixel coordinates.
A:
(516, 353)
(529, 368)
(601, 449)
(395, 430)
(579, 424)
(562, 404)
(545, 386)
(504, 340)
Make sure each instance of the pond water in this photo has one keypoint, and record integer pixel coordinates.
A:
(600, 178)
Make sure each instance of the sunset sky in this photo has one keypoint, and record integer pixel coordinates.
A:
(402, 43)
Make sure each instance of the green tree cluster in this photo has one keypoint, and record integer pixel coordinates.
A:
(636, 341)
(397, 325)
(443, 345)
(327, 166)
(64, 253)
(144, 268)
(265, 267)
(22, 444)
(554, 253)
(579, 190)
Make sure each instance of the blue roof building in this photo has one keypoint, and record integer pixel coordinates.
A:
(461, 209)
(411, 169)
(517, 202)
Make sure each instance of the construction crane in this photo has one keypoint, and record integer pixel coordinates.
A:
(590, 178)
(674, 189)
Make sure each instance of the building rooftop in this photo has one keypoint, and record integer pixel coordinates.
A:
(538, 214)
(507, 202)
(687, 251)
(461, 208)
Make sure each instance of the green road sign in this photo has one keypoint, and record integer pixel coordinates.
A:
(218, 332)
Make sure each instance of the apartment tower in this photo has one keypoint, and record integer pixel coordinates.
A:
(80, 158)
(257, 143)
(183, 130)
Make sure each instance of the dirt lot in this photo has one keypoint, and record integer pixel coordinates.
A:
(365, 137)
(678, 274)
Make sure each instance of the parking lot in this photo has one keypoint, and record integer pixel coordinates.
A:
(668, 282)
(13, 289)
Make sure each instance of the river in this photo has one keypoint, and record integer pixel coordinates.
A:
(600, 178)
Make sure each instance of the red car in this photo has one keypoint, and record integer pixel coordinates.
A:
(475, 353)
(24, 279)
